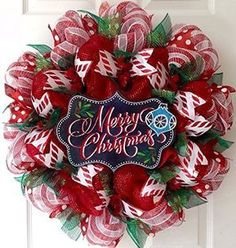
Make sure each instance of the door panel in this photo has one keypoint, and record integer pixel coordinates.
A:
(206, 226)
(42, 7)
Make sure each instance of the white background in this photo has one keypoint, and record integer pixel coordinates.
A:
(210, 226)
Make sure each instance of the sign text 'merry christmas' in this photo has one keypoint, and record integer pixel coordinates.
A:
(115, 131)
(107, 133)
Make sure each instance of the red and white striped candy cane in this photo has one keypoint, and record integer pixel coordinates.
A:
(162, 217)
(18, 160)
(140, 66)
(19, 77)
(104, 230)
(224, 109)
(50, 80)
(159, 79)
(135, 24)
(43, 106)
(216, 171)
(81, 66)
(187, 43)
(69, 34)
(44, 147)
(44, 198)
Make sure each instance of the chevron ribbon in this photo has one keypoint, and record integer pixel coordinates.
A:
(198, 126)
(188, 171)
(86, 173)
(186, 103)
(108, 66)
(153, 188)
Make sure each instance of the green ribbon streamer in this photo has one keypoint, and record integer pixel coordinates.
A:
(32, 179)
(125, 54)
(41, 48)
(165, 94)
(184, 198)
(165, 174)
(109, 27)
(161, 34)
(41, 176)
(216, 78)
(70, 223)
(221, 145)
(136, 233)
(34, 118)
(181, 144)
(66, 62)
(42, 63)
(189, 71)
(147, 156)
(53, 119)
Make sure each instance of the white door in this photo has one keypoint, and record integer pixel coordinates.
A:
(209, 226)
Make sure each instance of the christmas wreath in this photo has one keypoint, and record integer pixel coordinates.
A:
(119, 126)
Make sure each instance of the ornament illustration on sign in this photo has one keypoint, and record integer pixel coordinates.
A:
(115, 131)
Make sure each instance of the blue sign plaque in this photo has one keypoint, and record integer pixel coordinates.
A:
(115, 131)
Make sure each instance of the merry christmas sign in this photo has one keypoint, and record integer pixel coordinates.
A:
(115, 132)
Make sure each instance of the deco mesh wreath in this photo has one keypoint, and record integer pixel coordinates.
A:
(118, 126)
